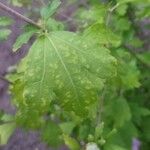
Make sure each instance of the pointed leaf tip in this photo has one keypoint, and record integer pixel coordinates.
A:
(49, 10)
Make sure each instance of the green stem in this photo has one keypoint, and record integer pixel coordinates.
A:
(110, 11)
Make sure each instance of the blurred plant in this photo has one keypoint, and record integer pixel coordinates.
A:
(4, 32)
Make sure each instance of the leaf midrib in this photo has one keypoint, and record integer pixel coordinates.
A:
(44, 68)
(65, 67)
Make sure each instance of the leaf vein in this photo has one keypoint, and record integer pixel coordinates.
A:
(65, 67)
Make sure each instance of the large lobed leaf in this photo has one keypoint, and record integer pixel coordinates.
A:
(61, 66)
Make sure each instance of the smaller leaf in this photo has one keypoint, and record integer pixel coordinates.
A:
(67, 127)
(22, 39)
(128, 71)
(49, 10)
(145, 57)
(84, 131)
(111, 133)
(95, 13)
(5, 21)
(6, 129)
(121, 112)
(101, 35)
(122, 9)
(51, 134)
(53, 25)
(71, 143)
(144, 111)
(4, 33)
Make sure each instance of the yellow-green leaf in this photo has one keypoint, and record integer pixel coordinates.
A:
(6, 129)
(61, 67)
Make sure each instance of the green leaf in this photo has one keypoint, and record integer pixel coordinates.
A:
(71, 143)
(102, 35)
(144, 111)
(145, 57)
(99, 130)
(138, 112)
(122, 9)
(114, 147)
(51, 134)
(61, 67)
(4, 33)
(96, 13)
(53, 25)
(84, 131)
(128, 72)
(49, 10)
(121, 112)
(6, 129)
(67, 127)
(132, 1)
(145, 126)
(23, 39)
(127, 137)
(122, 24)
(5, 21)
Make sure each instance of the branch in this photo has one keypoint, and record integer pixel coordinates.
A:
(2, 78)
(13, 12)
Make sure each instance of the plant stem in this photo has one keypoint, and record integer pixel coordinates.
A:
(110, 11)
(2, 78)
(13, 12)
(100, 108)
